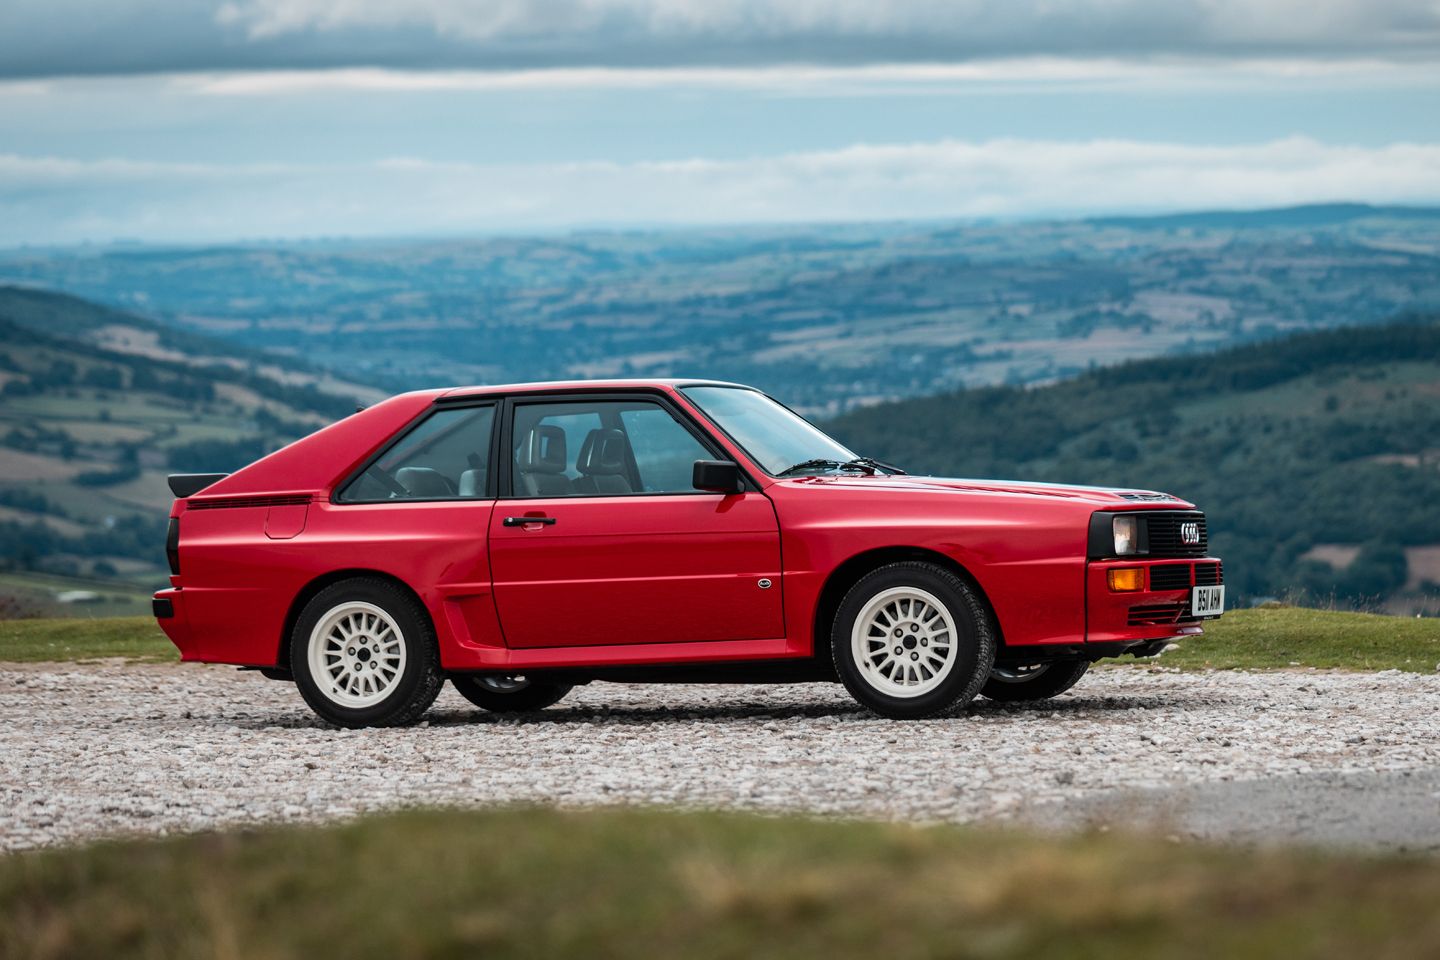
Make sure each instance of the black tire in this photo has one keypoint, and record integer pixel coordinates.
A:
(419, 681)
(973, 637)
(534, 695)
(1055, 678)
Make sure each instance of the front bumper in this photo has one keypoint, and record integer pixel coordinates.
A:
(1148, 614)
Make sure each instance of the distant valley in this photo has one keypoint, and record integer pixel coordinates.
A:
(829, 318)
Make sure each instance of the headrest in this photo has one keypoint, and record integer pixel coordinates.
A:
(424, 482)
(543, 451)
(472, 483)
(603, 454)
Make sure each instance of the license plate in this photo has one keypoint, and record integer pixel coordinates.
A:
(1207, 601)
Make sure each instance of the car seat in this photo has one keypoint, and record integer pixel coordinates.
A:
(604, 463)
(540, 464)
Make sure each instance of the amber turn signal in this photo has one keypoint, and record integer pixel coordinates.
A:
(1126, 579)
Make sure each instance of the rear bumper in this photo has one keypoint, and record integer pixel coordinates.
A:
(169, 609)
(1149, 614)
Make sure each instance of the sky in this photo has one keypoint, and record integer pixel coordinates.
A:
(203, 121)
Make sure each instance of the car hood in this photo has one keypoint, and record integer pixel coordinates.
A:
(902, 484)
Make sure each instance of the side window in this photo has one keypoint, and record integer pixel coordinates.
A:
(601, 448)
(446, 457)
(665, 452)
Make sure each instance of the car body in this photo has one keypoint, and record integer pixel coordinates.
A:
(554, 532)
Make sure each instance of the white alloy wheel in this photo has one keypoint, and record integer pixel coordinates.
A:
(356, 654)
(903, 642)
(1018, 673)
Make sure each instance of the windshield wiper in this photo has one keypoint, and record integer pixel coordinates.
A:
(810, 465)
(866, 464)
(872, 464)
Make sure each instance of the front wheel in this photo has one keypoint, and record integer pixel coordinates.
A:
(1015, 682)
(912, 640)
(509, 694)
(363, 654)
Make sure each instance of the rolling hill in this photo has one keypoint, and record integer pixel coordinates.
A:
(1316, 457)
(828, 317)
(96, 406)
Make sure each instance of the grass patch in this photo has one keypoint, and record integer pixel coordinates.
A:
(1295, 636)
(1253, 639)
(77, 638)
(523, 883)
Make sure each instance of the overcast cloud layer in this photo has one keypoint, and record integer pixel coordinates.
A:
(64, 200)
(64, 37)
(199, 120)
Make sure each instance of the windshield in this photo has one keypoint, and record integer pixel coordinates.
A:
(775, 438)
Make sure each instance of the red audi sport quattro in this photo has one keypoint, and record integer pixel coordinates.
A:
(520, 540)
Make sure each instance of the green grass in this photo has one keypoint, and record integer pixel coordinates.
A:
(524, 883)
(1296, 636)
(77, 638)
(1253, 639)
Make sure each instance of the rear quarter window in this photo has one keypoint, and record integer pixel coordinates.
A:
(445, 457)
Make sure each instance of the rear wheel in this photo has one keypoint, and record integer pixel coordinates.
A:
(912, 640)
(510, 694)
(363, 654)
(1013, 682)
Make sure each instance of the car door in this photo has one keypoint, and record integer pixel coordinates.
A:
(600, 539)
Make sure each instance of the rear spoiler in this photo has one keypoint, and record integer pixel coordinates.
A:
(189, 484)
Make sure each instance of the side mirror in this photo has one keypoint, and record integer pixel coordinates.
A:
(717, 476)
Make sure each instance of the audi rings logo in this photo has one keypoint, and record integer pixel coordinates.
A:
(1190, 533)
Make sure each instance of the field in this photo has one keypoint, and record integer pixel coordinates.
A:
(1281, 637)
(96, 407)
(83, 638)
(37, 593)
(522, 883)
(827, 318)
(1260, 639)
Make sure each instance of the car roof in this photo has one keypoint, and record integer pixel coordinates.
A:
(549, 386)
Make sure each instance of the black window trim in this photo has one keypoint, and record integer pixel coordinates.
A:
(491, 483)
(505, 489)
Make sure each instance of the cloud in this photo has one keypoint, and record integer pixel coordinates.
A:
(58, 200)
(62, 37)
(1027, 74)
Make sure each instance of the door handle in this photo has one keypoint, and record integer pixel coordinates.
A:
(522, 521)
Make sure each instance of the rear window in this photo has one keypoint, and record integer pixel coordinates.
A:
(445, 457)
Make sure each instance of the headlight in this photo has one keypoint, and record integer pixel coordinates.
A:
(1127, 536)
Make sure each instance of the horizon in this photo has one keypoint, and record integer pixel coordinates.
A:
(320, 241)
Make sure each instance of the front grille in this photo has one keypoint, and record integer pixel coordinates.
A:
(1177, 576)
(1170, 576)
(1208, 575)
(1164, 537)
(228, 503)
(1150, 614)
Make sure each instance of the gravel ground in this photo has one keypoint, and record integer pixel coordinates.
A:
(92, 750)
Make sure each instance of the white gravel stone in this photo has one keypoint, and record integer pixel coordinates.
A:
(97, 750)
